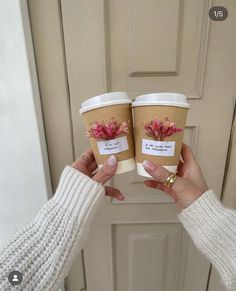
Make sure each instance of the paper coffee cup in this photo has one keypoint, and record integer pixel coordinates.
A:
(109, 127)
(159, 122)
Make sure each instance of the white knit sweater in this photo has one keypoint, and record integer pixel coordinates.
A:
(44, 250)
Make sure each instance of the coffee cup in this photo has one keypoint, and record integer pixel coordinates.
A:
(109, 127)
(159, 122)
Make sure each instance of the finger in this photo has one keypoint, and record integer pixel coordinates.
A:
(95, 171)
(179, 165)
(158, 172)
(107, 171)
(85, 159)
(157, 185)
(187, 153)
(93, 166)
(114, 193)
(151, 183)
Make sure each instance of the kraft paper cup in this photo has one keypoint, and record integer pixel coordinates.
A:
(109, 127)
(159, 122)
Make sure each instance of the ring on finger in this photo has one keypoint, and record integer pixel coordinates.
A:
(170, 180)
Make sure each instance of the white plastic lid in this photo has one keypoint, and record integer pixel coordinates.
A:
(107, 99)
(168, 99)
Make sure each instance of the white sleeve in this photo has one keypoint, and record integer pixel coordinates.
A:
(212, 227)
(44, 250)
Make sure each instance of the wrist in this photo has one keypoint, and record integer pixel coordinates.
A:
(74, 189)
(189, 195)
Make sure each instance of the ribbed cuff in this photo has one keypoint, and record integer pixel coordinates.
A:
(203, 218)
(203, 210)
(212, 227)
(76, 189)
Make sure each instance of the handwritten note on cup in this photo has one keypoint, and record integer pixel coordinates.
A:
(113, 146)
(158, 148)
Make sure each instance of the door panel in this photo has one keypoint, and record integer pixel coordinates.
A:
(147, 256)
(156, 45)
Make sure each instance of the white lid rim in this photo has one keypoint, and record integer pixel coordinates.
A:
(162, 94)
(162, 98)
(164, 103)
(105, 104)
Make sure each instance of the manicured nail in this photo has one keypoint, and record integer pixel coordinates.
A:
(121, 197)
(148, 165)
(112, 161)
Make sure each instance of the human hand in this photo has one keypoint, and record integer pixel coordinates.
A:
(188, 186)
(86, 164)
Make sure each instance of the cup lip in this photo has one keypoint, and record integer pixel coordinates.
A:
(103, 100)
(178, 100)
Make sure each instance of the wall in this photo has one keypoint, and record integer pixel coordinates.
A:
(24, 172)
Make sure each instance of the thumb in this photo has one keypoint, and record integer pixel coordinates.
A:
(107, 170)
(156, 171)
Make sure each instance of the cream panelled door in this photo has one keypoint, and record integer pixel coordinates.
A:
(142, 46)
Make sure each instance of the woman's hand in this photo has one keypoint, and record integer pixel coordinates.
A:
(87, 165)
(188, 186)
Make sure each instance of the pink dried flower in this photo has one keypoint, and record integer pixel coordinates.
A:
(107, 130)
(159, 130)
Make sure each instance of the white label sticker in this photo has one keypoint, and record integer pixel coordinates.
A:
(158, 148)
(113, 146)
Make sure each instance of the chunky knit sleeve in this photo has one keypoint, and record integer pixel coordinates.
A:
(213, 230)
(43, 250)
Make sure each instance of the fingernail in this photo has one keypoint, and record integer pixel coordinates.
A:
(149, 165)
(112, 161)
(122, 197)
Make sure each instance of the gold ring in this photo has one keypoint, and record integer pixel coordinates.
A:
(170, 180)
